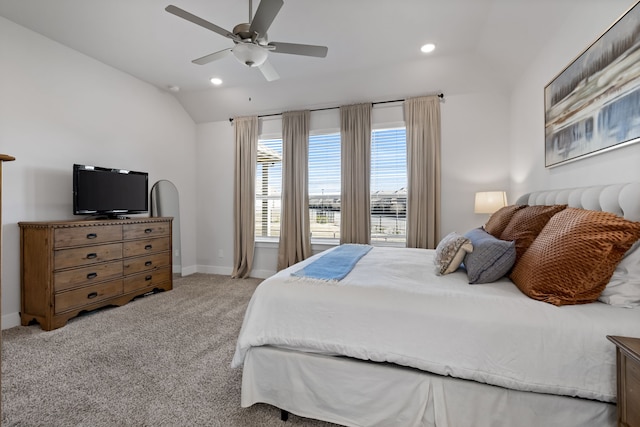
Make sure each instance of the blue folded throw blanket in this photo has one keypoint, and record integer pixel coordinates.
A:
(336, 264)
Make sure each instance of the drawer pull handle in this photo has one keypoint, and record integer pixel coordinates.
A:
(148, 263)
(147, 278)
(92, 236)
(92, 255)
(148, 230)
(92, 295)
(148, 247)
(92, 275)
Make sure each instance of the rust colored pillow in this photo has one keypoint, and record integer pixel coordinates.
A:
(573, 258)
(499, 220)
(526, 224)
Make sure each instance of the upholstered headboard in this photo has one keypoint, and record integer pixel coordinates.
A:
(620, 199)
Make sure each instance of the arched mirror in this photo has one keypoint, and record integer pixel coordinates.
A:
(165, 202)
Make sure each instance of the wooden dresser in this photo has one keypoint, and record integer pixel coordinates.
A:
(67, 267)
(628, 375)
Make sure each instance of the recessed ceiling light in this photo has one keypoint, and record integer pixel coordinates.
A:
(216, 81)
(429, 47)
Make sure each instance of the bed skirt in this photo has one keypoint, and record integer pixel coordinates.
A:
(356, 393)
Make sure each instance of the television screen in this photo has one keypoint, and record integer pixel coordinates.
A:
(107, 191)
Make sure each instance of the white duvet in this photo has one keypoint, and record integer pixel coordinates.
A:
(392, 307)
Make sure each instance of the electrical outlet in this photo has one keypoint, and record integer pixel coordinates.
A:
(176, 253)
(220, 253)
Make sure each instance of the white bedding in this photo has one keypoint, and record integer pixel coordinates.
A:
(393, 308)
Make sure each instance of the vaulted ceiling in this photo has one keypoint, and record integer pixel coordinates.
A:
(373, 46)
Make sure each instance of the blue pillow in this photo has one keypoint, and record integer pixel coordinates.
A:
(491, 258)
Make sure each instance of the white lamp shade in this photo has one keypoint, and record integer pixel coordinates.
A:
(250, 54)
(487, 202)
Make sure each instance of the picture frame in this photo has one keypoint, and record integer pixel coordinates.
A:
(593, 105)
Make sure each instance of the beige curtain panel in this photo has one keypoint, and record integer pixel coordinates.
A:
(295, 239)
(355, 207)
(246, 142)
(422, 119)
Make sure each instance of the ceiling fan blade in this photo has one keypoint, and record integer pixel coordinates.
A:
(212, 57)
(268, 71)
(266, 13)
(299, 49)
(199, 21)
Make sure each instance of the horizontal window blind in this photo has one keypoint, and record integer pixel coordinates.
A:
(388, 186)
(324, 186)
(268, 187)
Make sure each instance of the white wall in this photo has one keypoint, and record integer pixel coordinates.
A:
(59, 107)
(215, 157)
(474, 158)
(527, 125)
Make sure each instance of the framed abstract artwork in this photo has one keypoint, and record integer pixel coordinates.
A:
(593, 105)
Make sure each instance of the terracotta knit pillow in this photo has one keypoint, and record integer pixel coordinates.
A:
(526, 224)
(499, 220)
(573, 258)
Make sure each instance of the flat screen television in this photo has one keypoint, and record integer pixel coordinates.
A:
(109, 192)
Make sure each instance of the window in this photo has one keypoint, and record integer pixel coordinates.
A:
(389, 186)
(268, 187)
(324, 186)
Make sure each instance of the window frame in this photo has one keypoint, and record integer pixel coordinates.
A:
(326, 240)
(321, 243)
(386, 242)
(261, 237)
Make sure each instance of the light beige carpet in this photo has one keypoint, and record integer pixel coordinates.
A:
(161, 360)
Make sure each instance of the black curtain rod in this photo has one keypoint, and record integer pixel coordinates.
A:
(440, 95)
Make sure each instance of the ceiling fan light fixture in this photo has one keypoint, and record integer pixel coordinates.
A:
(429, 47)
(250, 54)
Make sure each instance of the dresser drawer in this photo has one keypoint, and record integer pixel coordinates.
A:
(65, 237)
(88, 295)
(146, 246)
(146, 280)
(86, 275)
(77, 257)
(149, 230)
(146, 263)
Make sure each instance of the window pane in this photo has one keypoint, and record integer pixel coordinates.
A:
(268, 187)
(388, 186)
(324, 186)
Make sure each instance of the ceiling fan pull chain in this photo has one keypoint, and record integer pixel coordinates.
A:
(250, 11)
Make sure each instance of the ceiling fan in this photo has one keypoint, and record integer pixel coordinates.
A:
(251, 45)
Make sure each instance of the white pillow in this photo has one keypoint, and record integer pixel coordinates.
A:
(623, 290)
(450, 252)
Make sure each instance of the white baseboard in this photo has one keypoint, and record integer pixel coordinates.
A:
(187, 271)
(10, 320)
(262, 274)
(214, 269)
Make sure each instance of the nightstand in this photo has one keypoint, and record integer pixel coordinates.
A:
(628, 374)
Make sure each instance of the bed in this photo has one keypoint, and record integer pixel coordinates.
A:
(398, 341)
